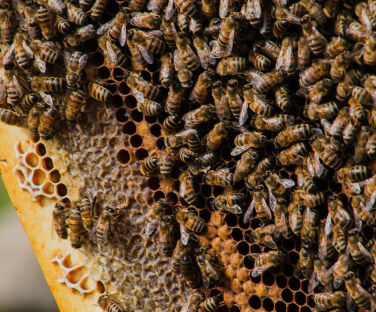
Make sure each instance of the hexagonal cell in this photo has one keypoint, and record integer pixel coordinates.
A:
(48, 188)
(47, 163)
(123, 156)
(54, 176)
(31, 160)
(38, 177)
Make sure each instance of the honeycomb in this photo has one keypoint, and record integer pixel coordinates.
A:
(99, 157)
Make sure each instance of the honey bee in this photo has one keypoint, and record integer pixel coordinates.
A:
(141, 88)
(303, 53)
(338, 125)
(304, 180)
(46, 51)
(247, 140)
(314, 10)
(147, 20)
(357, 113)
(46, 22)
(223, 45)
(364, 15)
(357, 250)
(184, 75)
(75, 227)
(286, 59)
(103, 228)
(314, 73)
(337, 214)
(9, 117)
(112, 52)
(257, 103)
(362, 214)
(190, 272)
(6, 26)
(316, 41)
(59, 215)
(33, 123)
(79, 36)
(97, 9)
(327, 110)
(259, 204)
(233, 99)
(186, 7)
(339, 66)
(61, 25)
(202, 163)
(259, 61)
(187, 190)
(169, 33)
(252, 11)
(159, 209)
(343, 91)
(76, 15)
(336, 46)
(210, 304)
(149, 107)
(167, 235)
(209, 8)
(147, 43)
(108, 304)
(371, 146)
(87, 211)
(200, 115)
(116, 28)
(181, 250)
(99, 92)
(305, 262)
(75, 102)
(308, 232)
(221, 177)
(308, 199)
(176, 140)
(293, 155)
(325, 301)
(362, 96)
(268, 47)
(266, 235)
(361, 297)
(75, 63)
(340, 269)
(339, 239)
(280, 26)
(282, 98)
(190, 59)
(321, 275)
(353, 174)
(209, 268)
(280, 218)
(190, 221)
(326, 152)
(254, 178)
(149, 165)
(266, 261)
(232, 65)
(295, 213)
(166, 163)
(32, 26)
(46, 122)
(326, 250)
(174, 98)
(203, 51)
(292, 134)
(201, 89)
(275, 123)
(216, 136)
(220, 102)
(277, 186)
(245, 164)
(166, 71)
(20, 51)
(264, 82)
(229, 202)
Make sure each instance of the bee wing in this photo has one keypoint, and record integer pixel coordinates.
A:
(287, 183)
(184, 235)
(322, 248)
(269, 242)
(358, 222)
(279, 61)
(8, 57)
(41, 65)
(370, 203)
(243, 113)
(123, 35)
(86, 32)
(150, 227)
(178, 61)
(235, 209)
(365, 253)
(47, 98)
(355, 187)
(203, 55)
(187, 307)
(105, 27)
(28, 50)
(256, 9)
(82, 61)
(223, 8)
(67, 58)
(267, 209)
(3, 87)
(147, 55)
(249, 212)
(230, 43)
(272, 200)
(169, 10)
(328, 224)
(155, 33)
(313, 282)
(216, 50)
(237, 150)
(17, 86)
(138, 95)
(182, 188)
(111, 53)
(257, 271)
(57, 6)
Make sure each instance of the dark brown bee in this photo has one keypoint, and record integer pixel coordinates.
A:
(186, 7)
(292, 134)
(46, 122)
(76, 15)
(293, 155)
(171, 124)
(9, 117)
(62, 25)
(231, 66)
(149, 165)
(50, 84)
(75, 227)
(142, 88)
(282, 98)
(59, 217)
(103, 228)
(33, 123)
(46, 22)
(316, 41)
(167, 235)
(190, 272)
(99, 92)
(108, 304)
(6, 26)
(97, 9)
(269, 48)
(87, 213)
(75, 102)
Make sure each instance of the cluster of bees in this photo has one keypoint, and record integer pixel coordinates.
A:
(277, 85)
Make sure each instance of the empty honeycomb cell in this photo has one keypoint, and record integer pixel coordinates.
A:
(287, 269)
(300, 298)
(20, 176)
(97, 59)
(310, 301)
(255, 223)
(243, 248)
(153, 183)
(155, 130)
(205, 214)
(122, 115)
(118, 73)
(280, 306)
(293, 257)
(268, 304)
(123, 156)
(281, 281)
(31, 160)
(47, 163)
(146, 75)
(287, 295)
(160, 143)
(116, 101)
(129, 128)
(255, 248)
(268, 278)
(254, 302)
(205, 190)
(61, 190)
(54, 176)
(48, 188)
(294, 283)
(130, 101)
(304, 286)
(136, 115)
(151, 120)
(104, 73)
(40, 149)
(38, 177)
(136, 140)
(172, 197)
(305, 309)
(234, 309)
(292, 307)
(100, 287)
(231, 220)
(236, 234)
(249, 262)
(141, 154)
(256, 279)
(158, 195)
